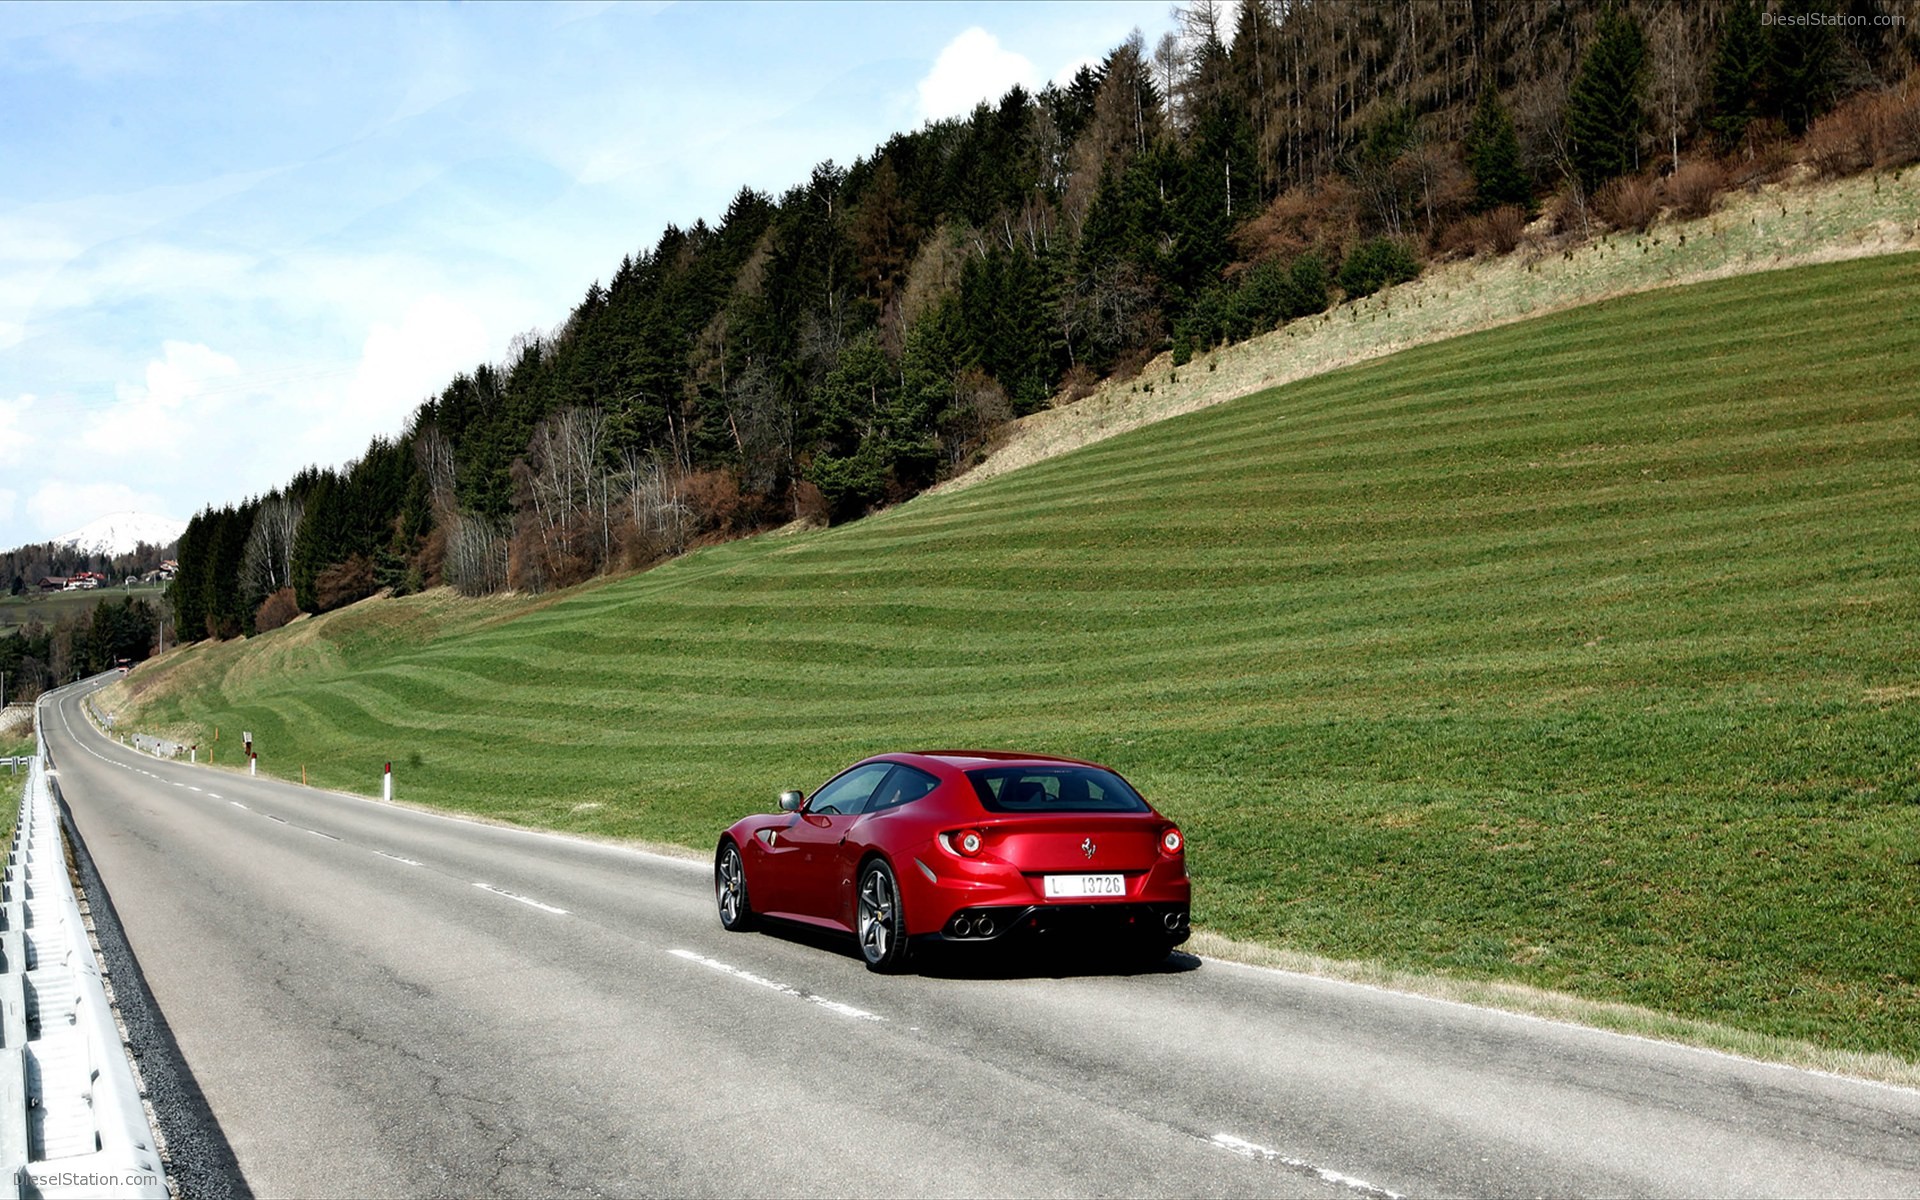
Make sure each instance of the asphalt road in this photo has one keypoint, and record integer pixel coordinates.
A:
(375, 1001)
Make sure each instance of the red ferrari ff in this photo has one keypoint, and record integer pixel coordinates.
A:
(960, 846)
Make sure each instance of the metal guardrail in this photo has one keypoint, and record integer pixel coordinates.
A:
(71, 1118)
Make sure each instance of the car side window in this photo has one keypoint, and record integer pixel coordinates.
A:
(846, 794)
(903, 785)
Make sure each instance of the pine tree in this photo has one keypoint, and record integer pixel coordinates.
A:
(1604, 110)
(1739, 66)
(1802, 70)
(1493, 157)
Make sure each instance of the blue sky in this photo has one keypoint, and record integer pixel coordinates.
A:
(235, 239)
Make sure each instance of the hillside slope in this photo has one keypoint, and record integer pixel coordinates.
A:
(1785, 225)
(1577, 653)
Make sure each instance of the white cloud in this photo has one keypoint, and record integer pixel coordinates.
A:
(972, 68)
(8, 497)
(400, 365)
(181, 391)
(15, 441)
(59, 505)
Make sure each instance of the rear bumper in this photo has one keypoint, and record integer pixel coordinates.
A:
(939, 890)
(1163, 923)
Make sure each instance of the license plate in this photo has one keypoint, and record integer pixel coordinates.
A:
(1084, 885)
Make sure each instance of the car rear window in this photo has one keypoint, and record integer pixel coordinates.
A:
(1053, 790)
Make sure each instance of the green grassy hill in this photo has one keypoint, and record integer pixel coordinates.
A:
(1582, 653)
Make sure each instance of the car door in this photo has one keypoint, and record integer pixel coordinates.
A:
(811, 860)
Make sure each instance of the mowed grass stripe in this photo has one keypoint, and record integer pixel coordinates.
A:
(1583, 653)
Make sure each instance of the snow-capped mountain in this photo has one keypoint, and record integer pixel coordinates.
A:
(121, 532)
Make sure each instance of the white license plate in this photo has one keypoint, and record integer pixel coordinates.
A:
(1084, 885)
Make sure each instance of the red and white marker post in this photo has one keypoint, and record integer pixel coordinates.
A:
(386, 784)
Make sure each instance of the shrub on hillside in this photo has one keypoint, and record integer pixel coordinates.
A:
(1078, 383)
(1257, 300)
(276, 610)
(1323, 218)
(1570, 213)
(1628, 203)
(1375, 264)
(716, 501)
(1768, 159)
(343, 583)
(1875, 129)
(1487, 234)
(1692, 190)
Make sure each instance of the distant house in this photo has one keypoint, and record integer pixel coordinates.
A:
(54, 583)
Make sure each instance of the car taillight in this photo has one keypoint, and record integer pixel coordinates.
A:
(965, 842)
(1171, 841)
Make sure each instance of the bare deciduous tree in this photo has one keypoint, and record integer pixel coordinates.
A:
(266, 565)
(476, 555)
(1677, 43)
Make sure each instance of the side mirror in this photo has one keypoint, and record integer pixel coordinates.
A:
(790, 801)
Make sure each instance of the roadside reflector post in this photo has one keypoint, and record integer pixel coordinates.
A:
(193, 753)
(386, 784)
(253, 763)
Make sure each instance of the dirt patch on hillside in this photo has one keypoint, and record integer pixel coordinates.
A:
(1777, 227)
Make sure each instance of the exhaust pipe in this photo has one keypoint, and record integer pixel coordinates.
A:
(1171, 921)
(962, 925)
(984, 926)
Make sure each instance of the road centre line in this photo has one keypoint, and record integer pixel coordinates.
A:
(1246, 1149)
(396, 858)
(845, 1010)
(317, 833)
(237, 804)
(531, 903)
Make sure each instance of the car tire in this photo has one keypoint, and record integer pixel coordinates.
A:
(730, 889)
(879, 921)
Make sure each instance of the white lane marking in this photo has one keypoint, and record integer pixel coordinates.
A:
(395, 857)
(214, 796)
(237, 804)
(785, 989)
(531, 903)
(317, 833)
(271, 817)
(191, 788)
(1246, 1149)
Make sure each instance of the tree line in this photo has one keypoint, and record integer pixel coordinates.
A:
(39, 656)
(850, 342)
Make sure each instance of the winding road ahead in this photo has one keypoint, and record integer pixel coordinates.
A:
(376, 1001)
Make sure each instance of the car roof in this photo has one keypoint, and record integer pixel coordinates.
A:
(963, 760)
